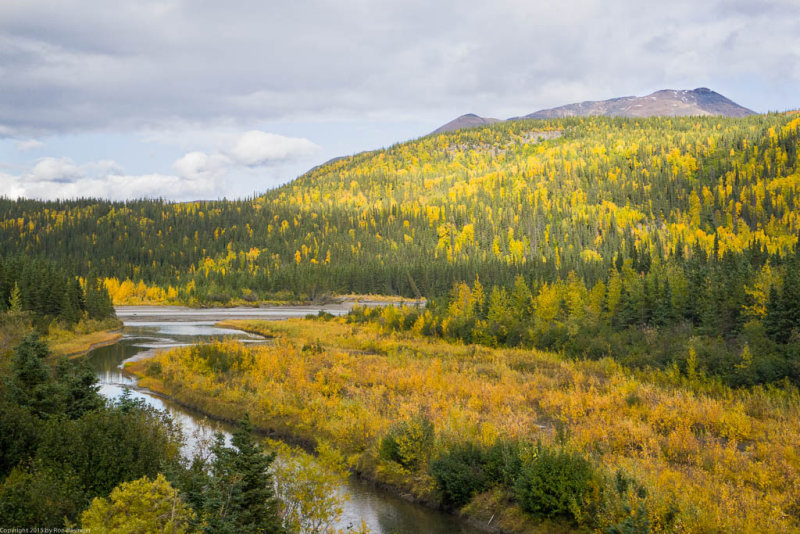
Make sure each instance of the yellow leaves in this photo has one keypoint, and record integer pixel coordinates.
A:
(727, 460)
(759, 292)
(142, 505)
(547, 305)
(589, 256)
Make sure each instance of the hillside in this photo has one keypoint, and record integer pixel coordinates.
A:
(537, 198)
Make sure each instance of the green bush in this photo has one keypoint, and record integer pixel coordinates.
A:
(504, 462)
(555, 484)
(36, 497)
(462, 473)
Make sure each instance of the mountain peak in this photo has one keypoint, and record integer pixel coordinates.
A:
(468, 120)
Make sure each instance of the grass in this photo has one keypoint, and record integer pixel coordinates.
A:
(83, 337)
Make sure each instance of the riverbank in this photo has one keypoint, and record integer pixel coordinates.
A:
(310, 445)
(322, 300)
(82, 344)
(313, 409)
(73, 343)
(385, 512)
(349, 386)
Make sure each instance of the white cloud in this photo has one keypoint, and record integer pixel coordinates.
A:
(148, 71)
(201, 166)
(61, 170)
(255, 148)
(29, 144)
(255, 156)
(54, 178)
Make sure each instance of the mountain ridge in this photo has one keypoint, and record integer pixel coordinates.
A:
(468, 120)
(701, 101)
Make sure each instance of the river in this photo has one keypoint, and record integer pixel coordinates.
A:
(151, 328)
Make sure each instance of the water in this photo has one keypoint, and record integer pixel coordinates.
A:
(148, 329)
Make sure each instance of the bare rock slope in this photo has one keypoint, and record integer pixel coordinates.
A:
(667, 102)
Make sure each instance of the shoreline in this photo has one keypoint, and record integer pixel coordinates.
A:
(331, 300)
(155, 387)
(86, 343)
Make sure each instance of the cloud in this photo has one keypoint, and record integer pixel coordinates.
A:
(201, 166)
(199, 82)
(60, 170)
(54, 178)
(250, 149)
(29, 144)
(247, 157)
(256, 148)
(74, 66)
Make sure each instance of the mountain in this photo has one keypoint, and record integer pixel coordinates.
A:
(667, 102)
(481, 201)
(470, 120)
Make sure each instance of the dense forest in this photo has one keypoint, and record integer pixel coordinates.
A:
(49, 292)
(540, 199)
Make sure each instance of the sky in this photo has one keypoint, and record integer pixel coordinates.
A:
(200, 99)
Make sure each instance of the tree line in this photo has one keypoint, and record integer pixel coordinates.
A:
(734, 316)
(49, 291)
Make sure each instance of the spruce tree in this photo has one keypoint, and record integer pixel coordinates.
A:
(255, 499)
(236, 495)
(773, 319)
(98, 301)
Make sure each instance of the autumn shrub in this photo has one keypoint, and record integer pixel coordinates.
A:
(555, 483)
(626, 508)
(154, 369)
(220, 357)
(408, 443)
(504, 461)
(141, 505)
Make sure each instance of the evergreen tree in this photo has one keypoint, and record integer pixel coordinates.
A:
(98, 301)
(790, 300)
(236, 495)
(79, 388)
(255, 500)
(30, 383)
(72, 303)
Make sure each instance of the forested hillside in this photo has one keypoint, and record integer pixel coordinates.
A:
(539, 199)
